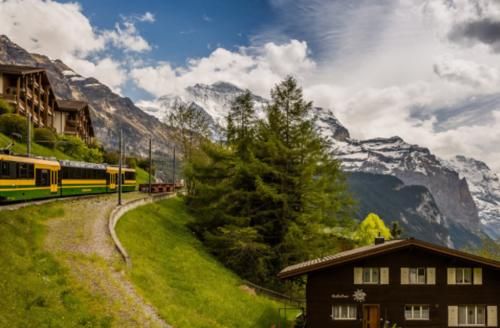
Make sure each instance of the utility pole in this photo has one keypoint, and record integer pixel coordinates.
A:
(120, 164)
(173, 171)
(150, 166)
(28, 139)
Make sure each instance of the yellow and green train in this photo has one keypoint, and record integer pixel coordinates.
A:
(26, 178)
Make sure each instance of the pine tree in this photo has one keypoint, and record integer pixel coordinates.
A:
(273, 195)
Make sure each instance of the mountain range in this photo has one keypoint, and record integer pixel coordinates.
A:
(453, 202)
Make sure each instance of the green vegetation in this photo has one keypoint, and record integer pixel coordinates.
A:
(76, 148)
(38, 150)
(489, 249)
(36, 291)
(272, 195)
(5, 107)
(13, 124)
(174, 272)
(370, 228)
(46, 137)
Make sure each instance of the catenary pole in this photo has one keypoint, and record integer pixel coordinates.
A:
(120, 164)
(173, 171)
(150, 166)
(28, 139)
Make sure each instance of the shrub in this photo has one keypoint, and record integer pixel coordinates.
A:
(5, 107)
(76, 148)
(45, 137)
(111, 157)
(131, 162)
(11, 124)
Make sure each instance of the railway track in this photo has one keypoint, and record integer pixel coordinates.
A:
(19, 205)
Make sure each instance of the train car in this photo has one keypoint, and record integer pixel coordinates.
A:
(80, 178)
(25, 178)
(128, 178)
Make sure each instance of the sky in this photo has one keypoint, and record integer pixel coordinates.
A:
(425, 70)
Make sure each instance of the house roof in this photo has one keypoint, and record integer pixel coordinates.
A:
(371, 250)
(71, 105)
(16, 69)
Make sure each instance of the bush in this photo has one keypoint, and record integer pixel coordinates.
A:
(45, 137)
(111, 157)
(131, 162)
(11, 124)
(5, 107)
(76, 148)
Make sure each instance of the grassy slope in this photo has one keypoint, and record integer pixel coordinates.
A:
(186, 284)
(35, 289)
(35, 148)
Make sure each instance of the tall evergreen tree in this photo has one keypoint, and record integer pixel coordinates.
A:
(274, 192)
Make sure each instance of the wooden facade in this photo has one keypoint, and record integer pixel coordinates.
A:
(73, 118)
(28, 90)
(406, 283)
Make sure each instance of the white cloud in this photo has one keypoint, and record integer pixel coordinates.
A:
(62, 31)
(385, 67)
(255, 68)
(147, 17)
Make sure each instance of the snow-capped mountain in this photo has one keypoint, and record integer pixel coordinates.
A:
(456, 208)
(484, 185)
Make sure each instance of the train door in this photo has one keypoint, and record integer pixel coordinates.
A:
(54, 181)
(112, 181)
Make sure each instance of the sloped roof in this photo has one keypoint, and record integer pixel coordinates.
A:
(371, 250)
(16, 69)
(71, 105)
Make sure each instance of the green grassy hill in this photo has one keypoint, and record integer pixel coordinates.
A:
(175, 273)
(35, 289)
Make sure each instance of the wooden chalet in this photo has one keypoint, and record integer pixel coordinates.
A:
(400, 283)
(29, 91)
(73, 118)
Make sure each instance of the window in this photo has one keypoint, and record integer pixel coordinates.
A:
(371, 275)
(417, 312)
(471, 315)
(417, 276)
(344, 312)
(25, 171)
(464, 276)
(129, 175)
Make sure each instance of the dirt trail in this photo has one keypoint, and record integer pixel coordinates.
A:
(81, 241)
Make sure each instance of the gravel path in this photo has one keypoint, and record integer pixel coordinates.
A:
(81, 241)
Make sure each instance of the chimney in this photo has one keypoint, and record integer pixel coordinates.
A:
(379, 240)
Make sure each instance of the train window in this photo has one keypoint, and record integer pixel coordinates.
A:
(42, 178)
(129, 175)
(25, 171)
(4, 170)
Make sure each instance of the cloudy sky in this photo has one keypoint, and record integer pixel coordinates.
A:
(426, 70)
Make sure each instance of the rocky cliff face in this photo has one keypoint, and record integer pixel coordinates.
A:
(109, 111)
(484, 185)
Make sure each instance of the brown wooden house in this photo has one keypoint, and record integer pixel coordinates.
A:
(401, 283)
(73, 118)
(28, 90)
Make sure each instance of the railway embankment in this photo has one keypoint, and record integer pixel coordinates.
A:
(59, 267)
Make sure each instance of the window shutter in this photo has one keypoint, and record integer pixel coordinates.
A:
(478, 276)
(405, 276)
(431, 276)
(452, 316)
(358, 276)
(452, 276)
(492, 316)
(384, 276)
